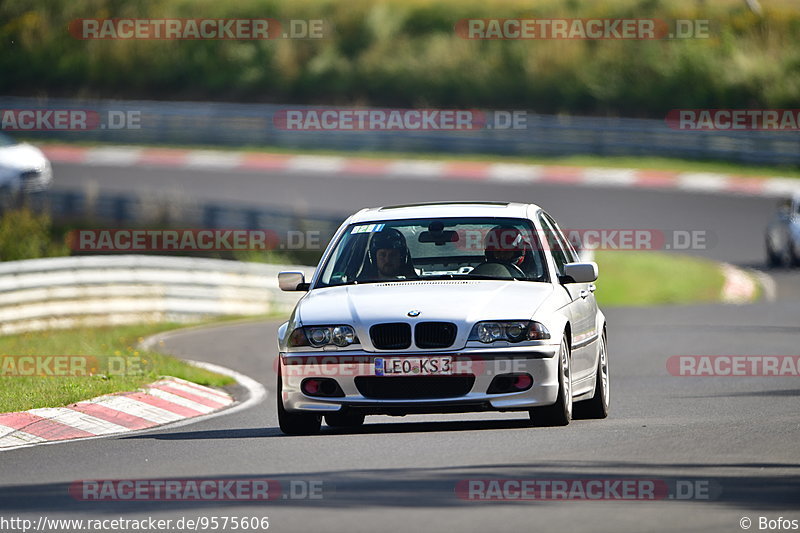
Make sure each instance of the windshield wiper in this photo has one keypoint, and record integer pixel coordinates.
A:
(462, 277)
(372, 281)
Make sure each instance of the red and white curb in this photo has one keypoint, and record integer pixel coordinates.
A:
(740, 287)
(421, 169)
(165, 401)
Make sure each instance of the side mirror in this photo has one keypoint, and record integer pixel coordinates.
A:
(579, 273)
(292, 280)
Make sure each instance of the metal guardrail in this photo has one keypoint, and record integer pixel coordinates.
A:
(546, 135)
(169, 210)
(101, 290)
(63, 292)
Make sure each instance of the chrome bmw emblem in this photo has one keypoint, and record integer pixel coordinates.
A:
(413, 313)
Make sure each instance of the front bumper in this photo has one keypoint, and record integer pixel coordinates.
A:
(540, 362)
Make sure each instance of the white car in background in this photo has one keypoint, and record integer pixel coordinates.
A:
(783, 234)
(23, 167)
(443, 308)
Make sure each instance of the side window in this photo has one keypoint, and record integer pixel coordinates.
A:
(345, 264)
(569, 250)
(556, 246)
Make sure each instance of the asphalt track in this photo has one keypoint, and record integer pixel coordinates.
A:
(736, 436)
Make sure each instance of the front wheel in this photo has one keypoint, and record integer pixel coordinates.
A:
(296, 423)
(597, 406)
(774, 260)
(794, 256)
(560, 413)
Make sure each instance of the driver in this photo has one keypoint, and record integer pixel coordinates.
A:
(505, 244)
(389, 255)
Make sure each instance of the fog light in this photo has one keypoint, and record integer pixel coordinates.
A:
(326, 387)
(523, 382)
(505, 383)
(311, 387)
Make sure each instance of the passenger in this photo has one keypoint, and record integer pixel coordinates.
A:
(505, 244)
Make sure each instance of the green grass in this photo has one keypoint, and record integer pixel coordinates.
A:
(644, 278)
(29, 392)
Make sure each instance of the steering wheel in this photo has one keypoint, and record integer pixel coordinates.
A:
(498, 269)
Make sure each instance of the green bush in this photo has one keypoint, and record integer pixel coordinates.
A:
(406, 53)
(27, 235)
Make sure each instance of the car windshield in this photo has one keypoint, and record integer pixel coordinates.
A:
(440, 248)
(5, 140)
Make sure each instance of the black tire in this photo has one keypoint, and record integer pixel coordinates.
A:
(773, 260)
(560, 413)
(296, 423)
(794, 259)
(597, 406)
(344, 420)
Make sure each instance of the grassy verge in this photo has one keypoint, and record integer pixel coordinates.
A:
(29, 392)
(655, 278)
(643, 163)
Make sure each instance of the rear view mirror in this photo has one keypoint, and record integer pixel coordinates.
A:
(579, 273)
(439, 237)
(292, 280)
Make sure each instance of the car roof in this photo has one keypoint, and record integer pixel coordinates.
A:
(445, 210)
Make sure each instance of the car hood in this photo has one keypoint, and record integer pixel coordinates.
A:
(462, 302)
(21, 157)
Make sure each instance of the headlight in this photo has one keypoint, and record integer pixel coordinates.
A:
(509, 330)
(319, 336)
(343, 335)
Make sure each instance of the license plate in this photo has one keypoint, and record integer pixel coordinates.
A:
(414, 366)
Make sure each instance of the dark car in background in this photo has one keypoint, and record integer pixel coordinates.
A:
(783, 234)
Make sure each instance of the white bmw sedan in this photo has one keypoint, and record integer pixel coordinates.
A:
(23, 167)
(444, 308)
